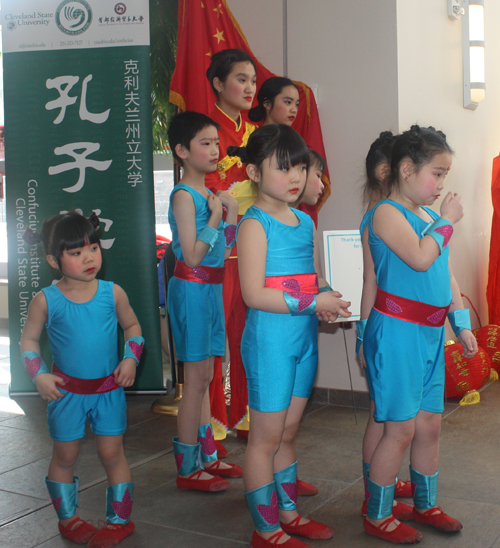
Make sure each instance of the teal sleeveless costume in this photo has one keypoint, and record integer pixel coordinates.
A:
(195, 309)
(84, 344)
(280, 351)
(405, 360)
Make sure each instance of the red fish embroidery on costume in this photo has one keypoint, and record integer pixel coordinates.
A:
(108, 383)
(437, 316)
(305, 299)
(393, 306)
(178, 461)
(123, 509)
(32, 366)
(136, 349)
(446, 231)
(200, 272)
(291, 490)
(270, 513)
(230, 233)
(56, 502)
(207, 443)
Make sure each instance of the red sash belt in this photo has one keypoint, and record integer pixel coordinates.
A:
(302, 283)
(201, 274)
(410, 311)
(85, 386)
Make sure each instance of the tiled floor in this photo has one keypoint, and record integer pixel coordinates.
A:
(329, 445)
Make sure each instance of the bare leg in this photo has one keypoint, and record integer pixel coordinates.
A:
(286, 453)
(263, 444)
(112, 457)
(64, 457)
(388, 455)
(373, 434)
(195, 403)
(424, 452)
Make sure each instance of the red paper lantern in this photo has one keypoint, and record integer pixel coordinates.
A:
(488, 338)
(464, 374)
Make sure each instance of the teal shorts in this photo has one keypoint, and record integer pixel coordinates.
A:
(406, 371)
(107, 414)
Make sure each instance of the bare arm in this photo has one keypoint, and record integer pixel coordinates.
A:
(390, 225)
(252, 252)
(37, 316)
(126, 369)
(193, 250)
(369, 279)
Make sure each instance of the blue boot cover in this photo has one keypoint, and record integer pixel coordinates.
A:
(187, 457)
(64, 497)
(263, 504)
(286, 487)
(424, 489)
(119, 502)
(379, 499)
(207, 442)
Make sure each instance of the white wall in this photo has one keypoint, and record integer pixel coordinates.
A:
(430, 93)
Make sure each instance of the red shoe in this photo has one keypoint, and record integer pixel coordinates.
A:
(221, 450)
(78, 531)
(312, 529)
(215, 483)
(401, 511)
(234, 472)
(438, 519)
(272, 542)
(403, 534)
(111, 534)
(242, 433)
(403, 489)
(305, 489)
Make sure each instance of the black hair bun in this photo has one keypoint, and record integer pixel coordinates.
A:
(94, 221)
(257, 114)
(32, 238)
(241, 152)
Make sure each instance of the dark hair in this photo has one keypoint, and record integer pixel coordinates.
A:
(65, 231)
(222, 64)
(380, 152)
(316, 159)
(268, 91)
(418, 144)
(266, 141)
(184, 126)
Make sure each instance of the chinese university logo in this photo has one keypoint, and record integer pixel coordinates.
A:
(73, 16)
(120, 8)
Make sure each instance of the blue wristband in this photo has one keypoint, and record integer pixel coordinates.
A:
(441, 230)
(209, 235)
(34, 364)
(360, 333)
(133, 348)
(459, 320)
(300, 304)
(230, 234)
(325, 289)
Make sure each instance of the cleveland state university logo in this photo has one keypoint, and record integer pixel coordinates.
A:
(73, 16)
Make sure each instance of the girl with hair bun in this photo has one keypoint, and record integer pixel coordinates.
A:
(278, 102)
(406, 244)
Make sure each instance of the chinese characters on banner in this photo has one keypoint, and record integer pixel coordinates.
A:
(78, 136)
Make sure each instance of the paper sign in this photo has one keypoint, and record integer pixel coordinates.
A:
(344, 267)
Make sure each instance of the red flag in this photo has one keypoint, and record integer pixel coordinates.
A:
(206, 27)
(493, 289)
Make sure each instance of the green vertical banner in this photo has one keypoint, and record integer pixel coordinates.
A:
(78, 136)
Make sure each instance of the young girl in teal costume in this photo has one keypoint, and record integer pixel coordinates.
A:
(404, 334)
(81, 314)
(278, 264)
